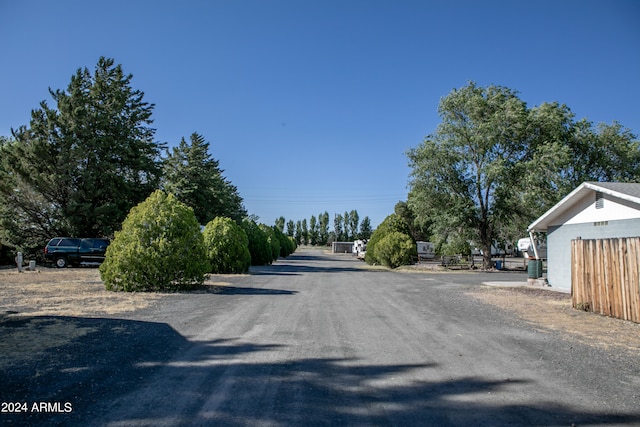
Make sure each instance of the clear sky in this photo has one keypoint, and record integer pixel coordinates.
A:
(311, 105)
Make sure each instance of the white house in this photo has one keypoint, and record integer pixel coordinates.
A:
(594, 210)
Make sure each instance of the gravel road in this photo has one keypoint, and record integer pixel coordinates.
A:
(317, 339)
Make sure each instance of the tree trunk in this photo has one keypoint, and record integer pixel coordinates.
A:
(485, 244)
(486, 256)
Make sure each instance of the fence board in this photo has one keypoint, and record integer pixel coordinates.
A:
(635, 279)
(605, 276)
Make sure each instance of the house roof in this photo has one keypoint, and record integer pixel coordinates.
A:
(623, 190)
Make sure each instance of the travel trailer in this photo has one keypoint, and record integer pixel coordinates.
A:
(360, 248)
(426, 250)
(526, 249)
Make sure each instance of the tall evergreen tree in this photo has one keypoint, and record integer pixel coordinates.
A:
(196, 179)
(91, 159)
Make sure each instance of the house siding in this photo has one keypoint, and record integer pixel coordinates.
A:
(559, 244)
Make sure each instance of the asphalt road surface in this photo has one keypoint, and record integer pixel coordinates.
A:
(317, 340)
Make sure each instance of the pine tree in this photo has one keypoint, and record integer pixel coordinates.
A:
(196, 179)
(94, 157)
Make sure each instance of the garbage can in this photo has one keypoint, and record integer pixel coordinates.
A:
(535, 268)
(498, 265)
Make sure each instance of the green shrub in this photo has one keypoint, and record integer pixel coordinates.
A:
(259, 246)
(227, 246)
(286, 244)
(274, 242)
(390, 224)
(159, 248)
(293, 245)
(396, 249)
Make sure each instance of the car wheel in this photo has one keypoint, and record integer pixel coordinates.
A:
(61, 262)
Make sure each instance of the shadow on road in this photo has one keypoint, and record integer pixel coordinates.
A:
(145, 373)
(305, 263)
(235, 290)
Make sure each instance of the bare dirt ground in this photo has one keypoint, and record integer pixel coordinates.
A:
(80, 292)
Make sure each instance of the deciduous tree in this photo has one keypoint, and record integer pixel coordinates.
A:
(337, 227)
(365, 228)
(464, 172)
(291, 228)
(313, 230)
(354, 219)
(323, 228)
(493, 165)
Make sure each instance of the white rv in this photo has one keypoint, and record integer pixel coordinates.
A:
(426, 250)
(526, 248)
(360, 248)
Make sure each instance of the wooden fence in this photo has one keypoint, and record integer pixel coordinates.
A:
(605, 277)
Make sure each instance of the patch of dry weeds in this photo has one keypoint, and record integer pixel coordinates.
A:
(64, 292)
(553, 311)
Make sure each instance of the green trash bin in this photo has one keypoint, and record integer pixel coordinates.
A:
(535, 268)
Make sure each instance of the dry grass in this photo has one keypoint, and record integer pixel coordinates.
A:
(552, 310)
(64, 292)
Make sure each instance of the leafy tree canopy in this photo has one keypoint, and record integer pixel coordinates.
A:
(493, 165)
(365, 228)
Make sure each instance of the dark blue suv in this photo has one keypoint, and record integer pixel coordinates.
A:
(64, 251)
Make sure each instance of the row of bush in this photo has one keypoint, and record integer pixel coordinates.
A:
(161, 247)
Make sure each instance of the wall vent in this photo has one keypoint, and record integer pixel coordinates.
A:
(599, 200)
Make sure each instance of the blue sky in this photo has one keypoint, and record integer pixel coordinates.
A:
(311, 105)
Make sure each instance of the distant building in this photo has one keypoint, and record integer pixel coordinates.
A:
(342, 247)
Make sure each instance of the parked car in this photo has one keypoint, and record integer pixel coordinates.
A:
(64, 251)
